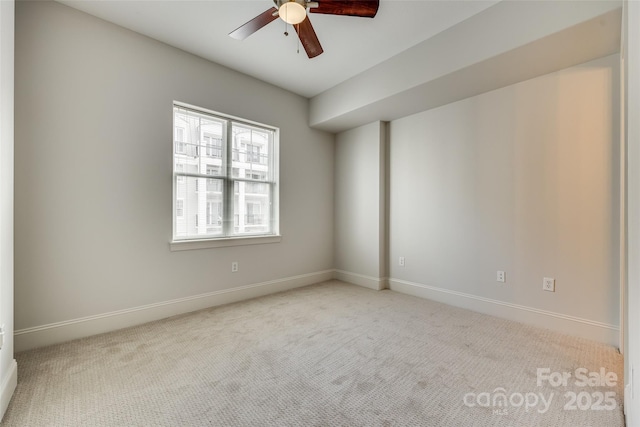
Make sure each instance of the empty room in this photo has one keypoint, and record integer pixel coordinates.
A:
(324, 213)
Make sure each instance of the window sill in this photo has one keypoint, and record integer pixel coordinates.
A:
(187, 245)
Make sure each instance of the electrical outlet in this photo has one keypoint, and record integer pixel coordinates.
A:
(401, 261)
(501, 276)
(549, 284)
(234, 267)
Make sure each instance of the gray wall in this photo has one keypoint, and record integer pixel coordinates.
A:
(93, 171)
(631, 71)
(8, 376)
(523, 179)
(360, 204)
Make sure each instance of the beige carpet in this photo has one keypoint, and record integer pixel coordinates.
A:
(325, 355)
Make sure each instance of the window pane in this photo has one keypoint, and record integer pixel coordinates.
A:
(252, 207)
(199, 141)
(199, 207)
(252, 152)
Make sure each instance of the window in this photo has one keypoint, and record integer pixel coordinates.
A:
(254, 216)
(180, 168)
(213, 146)
(255, 188)
(214, 214)
(179, 138)
(253, 153)
(238, 168)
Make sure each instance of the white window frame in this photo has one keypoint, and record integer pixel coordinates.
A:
(179, 243)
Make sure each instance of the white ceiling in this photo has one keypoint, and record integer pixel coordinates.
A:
(351, 45)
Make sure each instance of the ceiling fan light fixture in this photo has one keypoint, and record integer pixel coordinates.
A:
(292, 12)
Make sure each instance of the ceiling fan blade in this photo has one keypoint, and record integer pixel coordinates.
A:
(363, 8)
(308, 38)
(245, 30)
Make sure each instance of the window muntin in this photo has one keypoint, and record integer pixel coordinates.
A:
(225, 176)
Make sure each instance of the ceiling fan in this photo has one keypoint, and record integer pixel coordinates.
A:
(295, 12)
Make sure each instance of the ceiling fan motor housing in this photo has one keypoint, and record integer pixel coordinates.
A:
(292, 11)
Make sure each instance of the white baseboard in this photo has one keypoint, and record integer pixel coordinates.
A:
(8, 386)
(571, 325)
(54, 333)
(375, 283)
